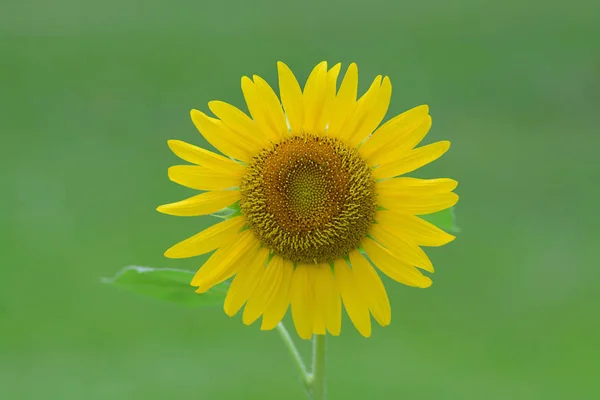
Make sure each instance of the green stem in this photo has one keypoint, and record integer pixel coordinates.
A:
(314, 381)
(289, 343)
(317, 381)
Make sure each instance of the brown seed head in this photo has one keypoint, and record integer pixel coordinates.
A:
(309, 198)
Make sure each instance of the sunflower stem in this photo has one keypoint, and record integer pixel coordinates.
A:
(314, 381)
(317, 377)
(300, 366)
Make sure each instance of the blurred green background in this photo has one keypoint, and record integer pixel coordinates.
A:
(91, 91)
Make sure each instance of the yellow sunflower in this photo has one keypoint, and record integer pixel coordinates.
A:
(314, 182)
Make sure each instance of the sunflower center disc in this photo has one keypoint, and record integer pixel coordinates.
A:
(309, 198)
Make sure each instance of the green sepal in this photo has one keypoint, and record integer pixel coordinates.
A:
(233, 210)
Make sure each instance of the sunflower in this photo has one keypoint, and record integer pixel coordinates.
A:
(318, 200)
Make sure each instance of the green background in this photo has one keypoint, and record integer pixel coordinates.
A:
(91, 91)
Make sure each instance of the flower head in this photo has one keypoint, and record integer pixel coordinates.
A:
(320, 200)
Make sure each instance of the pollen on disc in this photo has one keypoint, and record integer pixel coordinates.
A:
(309, 198)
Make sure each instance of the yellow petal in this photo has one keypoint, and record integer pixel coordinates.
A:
(330, 90)
(264, 293)
(302, 299)
(227, 142)
(421, 231)
(201, 204)
(372, 288)
(272, 106)
(209, 239)
(239, 123)
(226, 261)
(374, 112)
(322, 281)
(345, 101)
(403, 187)
(291, 97)
(393, 134)
(334, 316)
(363, 106)
(208, 159)
(244, 283)
(264, 106)
(255, 107)
(412, 160)
(393, 267)
(354, 301)
(314, 96)
(215, 267)
(419, 205)
(278, 306)
(327, 301)
(402, 248)
(401, 146)
(202, 178)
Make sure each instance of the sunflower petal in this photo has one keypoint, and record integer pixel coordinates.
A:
(396, 269)
(334, 313)
(202, 178)
(419, 205)
(372, 288)
(328, 299)
(393, 134)
(403, 249)
(272, 106)
(344, 102)
(201, 204)
(422, 232)
(402, 187)
(291, 97)
(225, 262)
(209, 239)
(412, 160)
(353, 298)
(302, 299)
(314, 96)
(264, 106)
(237, 121)
(323, 285)
(402, 146)
(280, 302)
(361, 111)
(374, 112)
(199, 156)
(330, 90)
(245, 282)
(264, 293)
(228, 143)
(319, 311)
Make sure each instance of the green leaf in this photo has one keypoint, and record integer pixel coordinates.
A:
(166, 284)
(444, 219)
